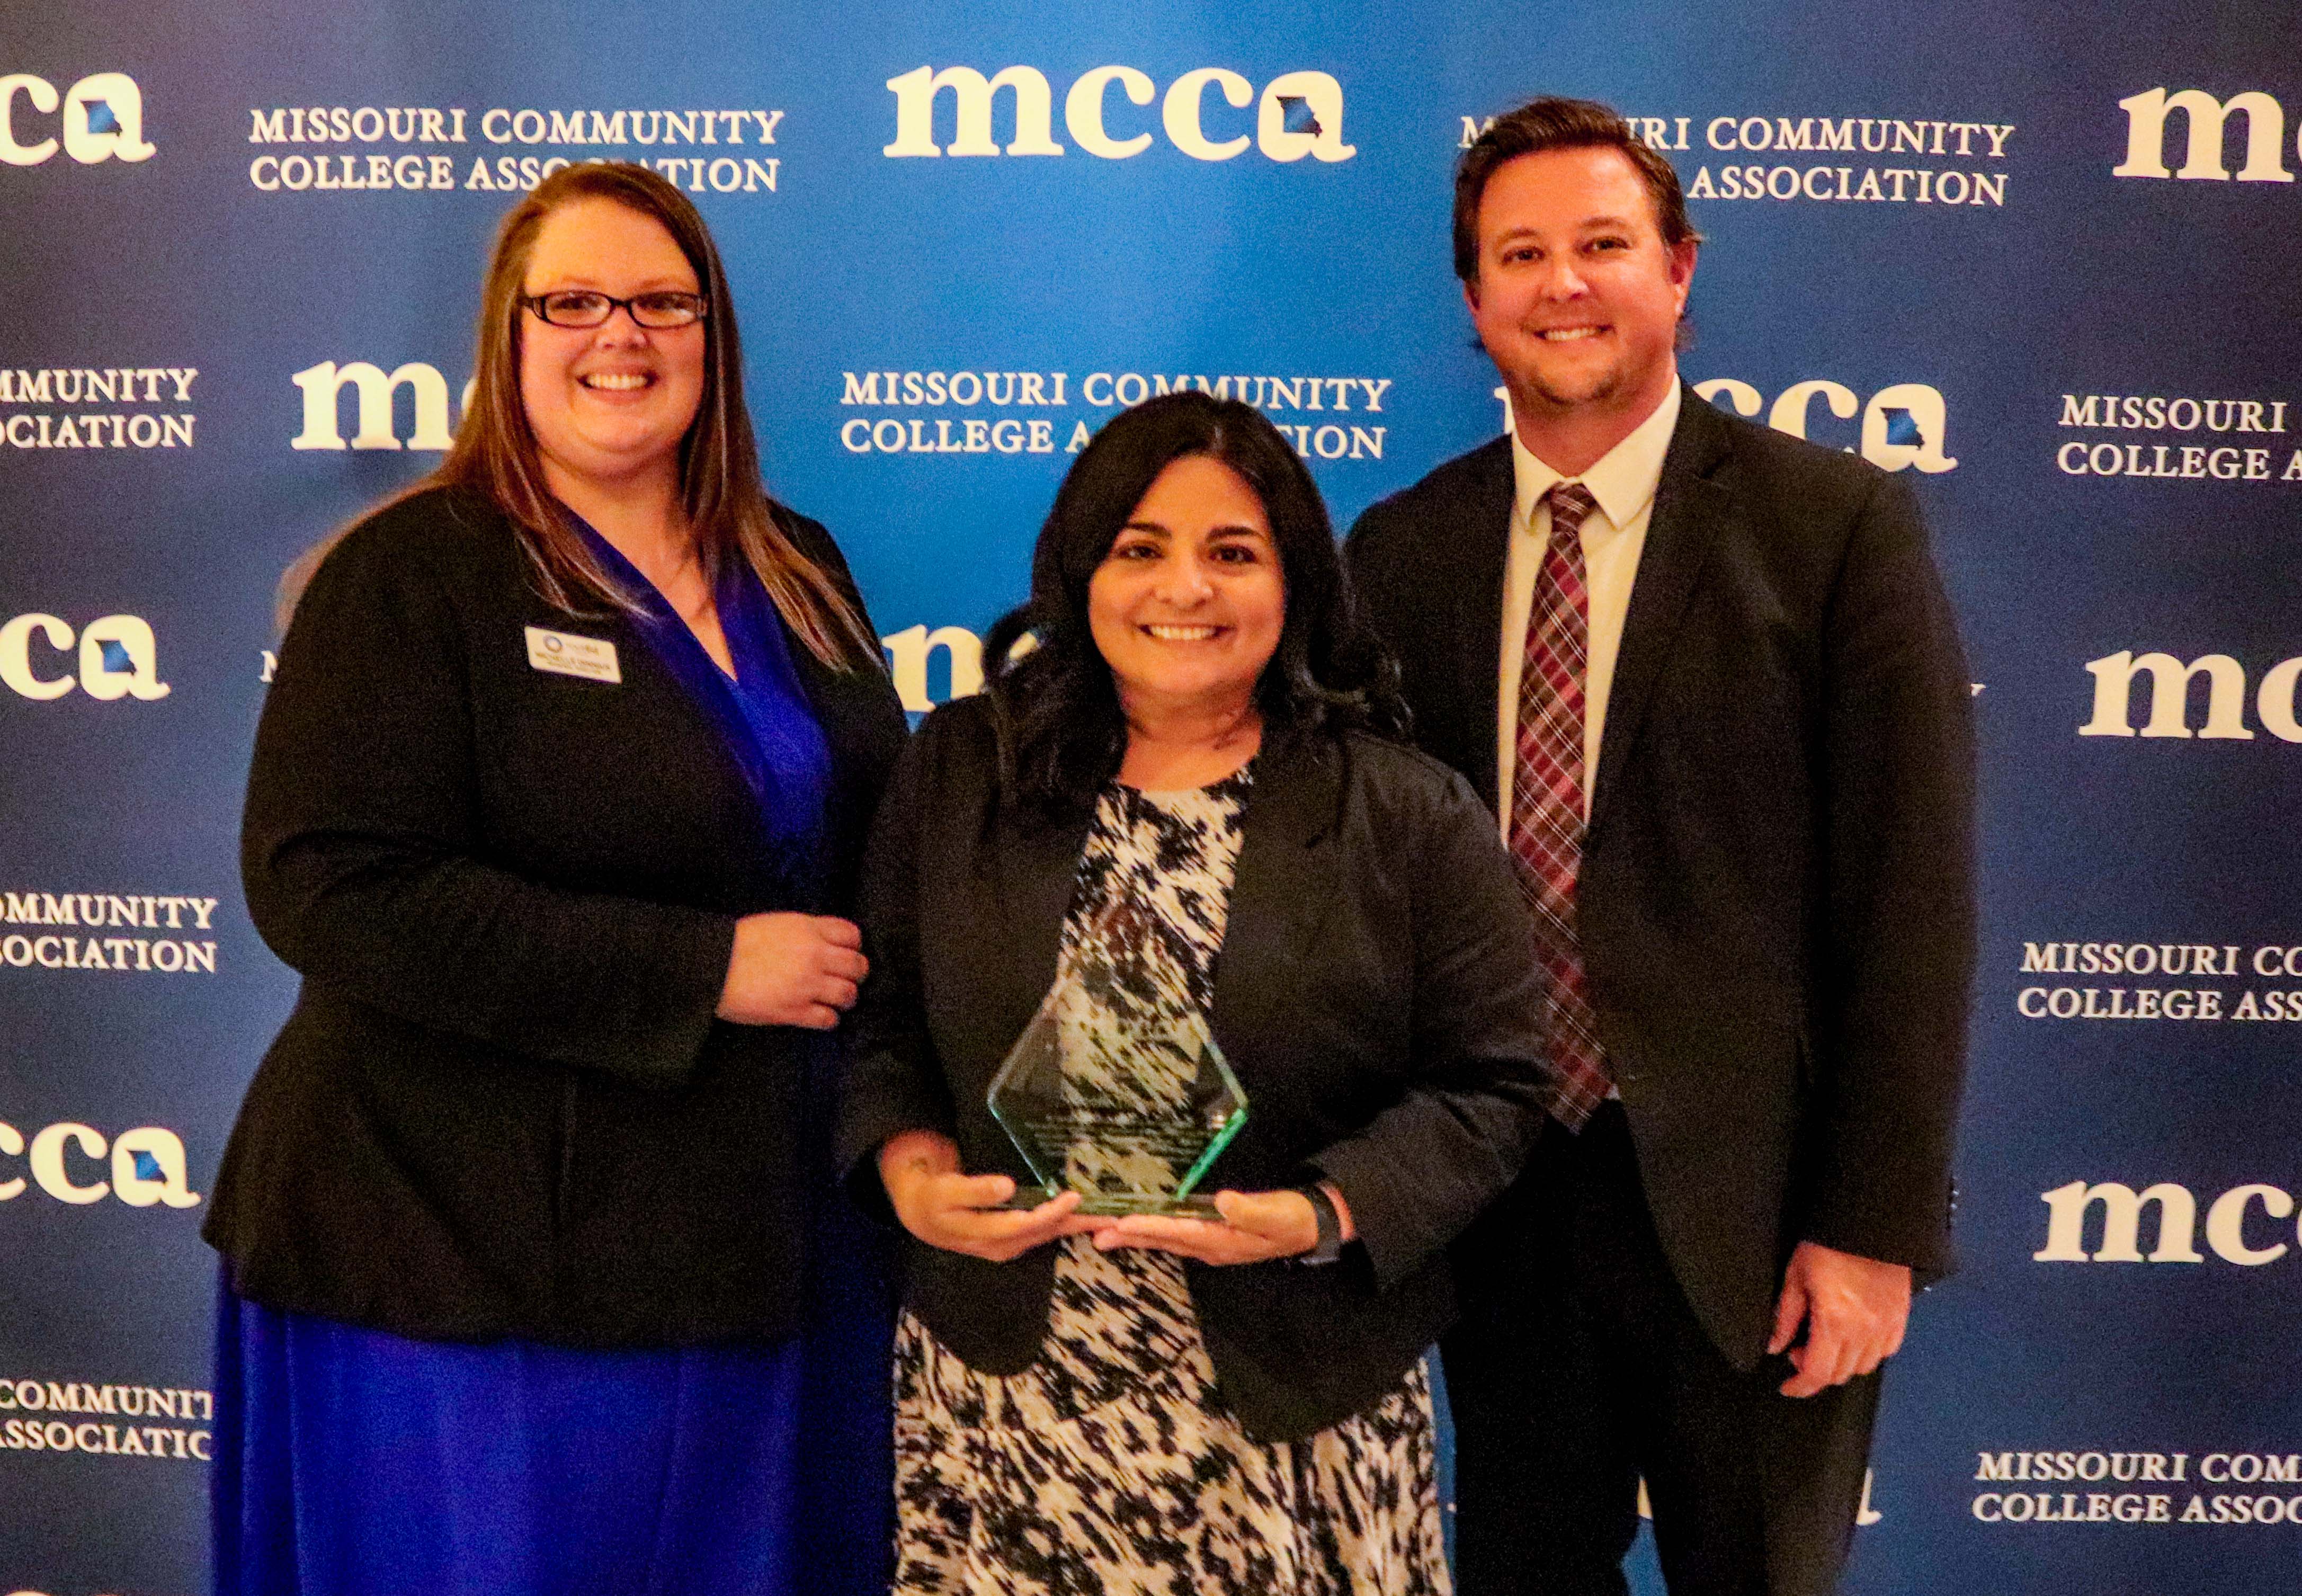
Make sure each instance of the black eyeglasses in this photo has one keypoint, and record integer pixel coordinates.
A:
(585, 308)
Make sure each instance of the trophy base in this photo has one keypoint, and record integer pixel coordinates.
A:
(1118, 1203)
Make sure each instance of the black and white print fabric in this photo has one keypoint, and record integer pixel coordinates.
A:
(1112, 1466)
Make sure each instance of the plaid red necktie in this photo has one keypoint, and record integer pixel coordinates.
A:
(1546, 818)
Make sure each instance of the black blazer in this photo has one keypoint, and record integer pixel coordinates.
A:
(1776, 899)
(502, 1106)
(1377, 995)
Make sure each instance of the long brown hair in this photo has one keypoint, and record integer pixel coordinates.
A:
(728, 510)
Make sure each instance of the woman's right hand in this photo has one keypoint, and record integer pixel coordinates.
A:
(960, 1213)
(792, 969)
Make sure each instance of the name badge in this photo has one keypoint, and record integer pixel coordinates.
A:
(565, 654)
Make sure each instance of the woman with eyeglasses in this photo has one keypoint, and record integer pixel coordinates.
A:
(530, 1282)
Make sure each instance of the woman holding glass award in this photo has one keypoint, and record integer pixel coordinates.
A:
(1162, 913)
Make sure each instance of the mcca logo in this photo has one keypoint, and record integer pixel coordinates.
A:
(1301, 114)
(1903, 426)
(118, 658)
(102, 119)
(2275, 703)
(2121, 1206)
(2208, 120)
(147, 1165)
(375, 389)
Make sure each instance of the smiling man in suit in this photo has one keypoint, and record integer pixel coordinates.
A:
(1707, 676)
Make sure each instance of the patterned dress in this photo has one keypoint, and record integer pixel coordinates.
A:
(1112, 1466)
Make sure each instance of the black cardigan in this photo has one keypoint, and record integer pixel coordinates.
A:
(502, 1105)
(1377, 993)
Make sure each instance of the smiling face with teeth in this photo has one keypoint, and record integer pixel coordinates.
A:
(1577, 298)
(608, 404)
(1187, 606)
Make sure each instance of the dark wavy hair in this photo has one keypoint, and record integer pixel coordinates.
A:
(1061, 735)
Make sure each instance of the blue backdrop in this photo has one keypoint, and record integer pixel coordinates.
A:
(2037, 256)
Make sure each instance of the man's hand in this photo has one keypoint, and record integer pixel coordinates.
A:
(1854, 1310)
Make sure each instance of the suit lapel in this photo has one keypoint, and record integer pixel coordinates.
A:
(1278, 897)
(1479, 616)
(1690, 509)
(1277, 902)
(1038, 871)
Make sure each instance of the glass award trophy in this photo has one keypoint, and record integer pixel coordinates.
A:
(1130, 1117)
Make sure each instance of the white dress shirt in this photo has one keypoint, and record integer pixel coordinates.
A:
(1624, 481)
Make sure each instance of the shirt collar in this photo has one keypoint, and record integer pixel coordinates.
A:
(1623, 479)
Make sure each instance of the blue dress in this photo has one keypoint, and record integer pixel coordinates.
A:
(351, 1462)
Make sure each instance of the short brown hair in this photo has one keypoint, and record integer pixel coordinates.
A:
(1552, 122)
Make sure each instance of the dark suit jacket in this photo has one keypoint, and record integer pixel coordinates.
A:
(1777, 900)
(502, 1105)
(1377, 995)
